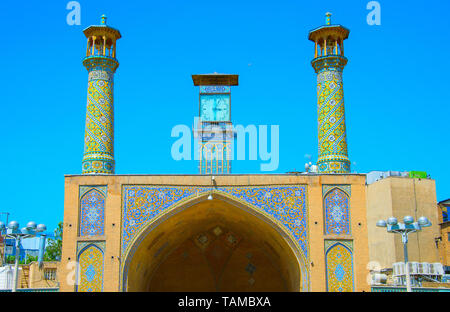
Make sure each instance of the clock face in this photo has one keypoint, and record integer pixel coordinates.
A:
(215, 107)
(222, 108)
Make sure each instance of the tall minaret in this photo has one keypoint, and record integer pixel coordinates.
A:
(329, 62)
(101, 64)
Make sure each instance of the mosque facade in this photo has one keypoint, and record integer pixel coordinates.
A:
(215, 231)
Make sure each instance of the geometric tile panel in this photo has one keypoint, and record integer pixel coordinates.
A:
(336, 209)
(339, 266)
(287, 204)
(90, 267)
(92, 210)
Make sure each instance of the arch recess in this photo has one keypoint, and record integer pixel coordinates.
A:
(161, 237)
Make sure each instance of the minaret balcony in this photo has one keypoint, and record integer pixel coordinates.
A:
(100, 56)
(96, 61)
(333, 61)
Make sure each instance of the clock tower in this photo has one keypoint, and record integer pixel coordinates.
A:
(215, 130)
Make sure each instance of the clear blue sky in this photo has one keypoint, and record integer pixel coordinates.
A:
(396, 86)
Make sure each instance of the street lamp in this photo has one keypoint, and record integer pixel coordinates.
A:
(408, 226)
(213, 180)
(12, 231)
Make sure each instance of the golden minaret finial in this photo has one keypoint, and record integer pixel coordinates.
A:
(328, 18)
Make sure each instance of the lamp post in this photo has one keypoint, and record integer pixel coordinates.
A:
(12, 231)
(409, 226)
